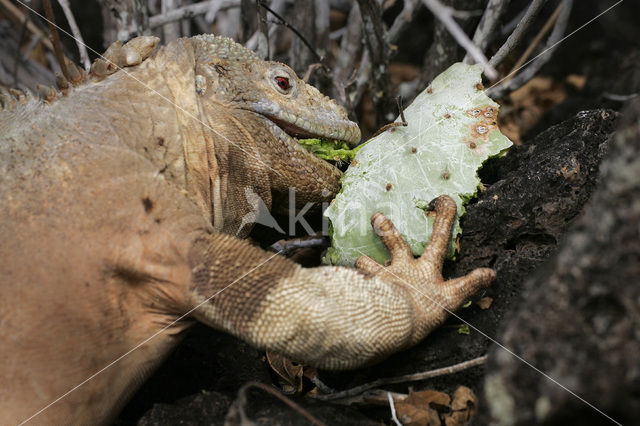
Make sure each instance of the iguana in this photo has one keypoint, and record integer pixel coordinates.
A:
(121, 206)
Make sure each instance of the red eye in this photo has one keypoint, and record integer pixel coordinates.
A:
(283, 83)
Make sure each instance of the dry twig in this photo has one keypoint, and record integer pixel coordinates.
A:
(445, 15)
(406, 378)
(57, 47)
(487, 26)
(401, 22)
(351, 47)
(18, 58)
(77, 36)
(170, 30)
(402, 122)
(241, 402)
(191, 10)
(378, 54)
(20, 17)
(349, 52)
(282, 21)
(514, 39)
(536, 41)
(538, 61)
(392, 406)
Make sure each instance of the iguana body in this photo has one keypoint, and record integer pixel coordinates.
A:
(116, 204)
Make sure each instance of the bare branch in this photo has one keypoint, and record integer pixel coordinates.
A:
(170, 30)
(282, 21)
(402, 20)
(378, 48)
(538, 61)
(322, 20)
(241, 402)
(263, 29)
(392, 407)
(402, 122)
(619, 98)
(350, 51)
(19, 17)
(406, 378)
(514, 39)
(55, 40)
(373, 30)
(363, 77)
(536, 41)
(445, 15)
(487, 26)
(84, 55)
(192, 10)
(123, 20)
(254, 30)
(351, 47)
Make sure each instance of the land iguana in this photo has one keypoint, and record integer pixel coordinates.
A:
(121, 206)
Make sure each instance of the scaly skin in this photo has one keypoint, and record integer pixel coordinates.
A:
(117, 202)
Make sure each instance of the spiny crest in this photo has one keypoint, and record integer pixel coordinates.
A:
(211, 46)
(12, 98)
(119, 56)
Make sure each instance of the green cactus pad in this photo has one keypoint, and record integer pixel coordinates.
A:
(451, 131)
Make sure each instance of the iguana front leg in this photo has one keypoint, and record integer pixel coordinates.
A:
(330, 317)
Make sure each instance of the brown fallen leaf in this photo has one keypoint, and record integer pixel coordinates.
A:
(410, 415)
(290, 374)
(423, 408)
(576, 80)
(429, 398)
(485, 302)
(463, 407)
(524, 107)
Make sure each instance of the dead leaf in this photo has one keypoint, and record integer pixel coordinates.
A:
(290, 374)
(463, 407)
(525, 106)
(429, 398)
(485, 302)
(576, 80)
(422, 408)
(410, 415)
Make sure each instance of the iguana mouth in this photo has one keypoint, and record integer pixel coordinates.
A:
(299, 128)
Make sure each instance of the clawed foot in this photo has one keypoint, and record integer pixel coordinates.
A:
(433, 297)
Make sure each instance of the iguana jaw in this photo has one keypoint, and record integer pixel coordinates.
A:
(299, 128)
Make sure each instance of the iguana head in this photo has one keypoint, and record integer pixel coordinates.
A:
(240, 79)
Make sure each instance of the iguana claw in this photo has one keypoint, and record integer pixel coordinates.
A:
(422, 276)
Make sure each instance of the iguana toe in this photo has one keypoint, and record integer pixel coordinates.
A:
(433, 297)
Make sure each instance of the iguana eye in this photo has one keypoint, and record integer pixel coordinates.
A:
(283, 83)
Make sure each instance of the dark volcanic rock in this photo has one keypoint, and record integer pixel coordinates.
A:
(579, 318)
(514, 227)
